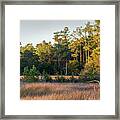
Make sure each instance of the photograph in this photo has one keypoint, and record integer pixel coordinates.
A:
(60, 59)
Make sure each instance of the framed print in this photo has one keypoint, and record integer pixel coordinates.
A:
(60, 60)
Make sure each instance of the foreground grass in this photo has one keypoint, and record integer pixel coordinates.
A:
(60, 91)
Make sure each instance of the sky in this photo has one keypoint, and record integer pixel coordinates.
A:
(35, 31)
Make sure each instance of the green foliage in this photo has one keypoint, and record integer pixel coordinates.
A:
(44, 51)
(73, 53)
(31, 75)
(46, 77)
(26, 71)
(28, 57)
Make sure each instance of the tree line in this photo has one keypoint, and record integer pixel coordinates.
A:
(74, 52)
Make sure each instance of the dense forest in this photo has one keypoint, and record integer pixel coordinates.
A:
(74, 52)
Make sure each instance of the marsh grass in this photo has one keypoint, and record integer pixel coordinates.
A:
(60, 91)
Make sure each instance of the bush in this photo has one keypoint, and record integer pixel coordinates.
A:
(89, 76)
(46, 77)
(26, 71)
(31, 75)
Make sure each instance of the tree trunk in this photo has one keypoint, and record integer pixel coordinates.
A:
(66, 72)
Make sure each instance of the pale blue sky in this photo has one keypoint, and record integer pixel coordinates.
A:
(35, 31)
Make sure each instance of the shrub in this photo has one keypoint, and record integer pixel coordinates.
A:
(26, 71)
(46, 77)
(31, 75)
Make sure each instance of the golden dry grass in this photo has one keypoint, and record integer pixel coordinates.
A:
(60, 91)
